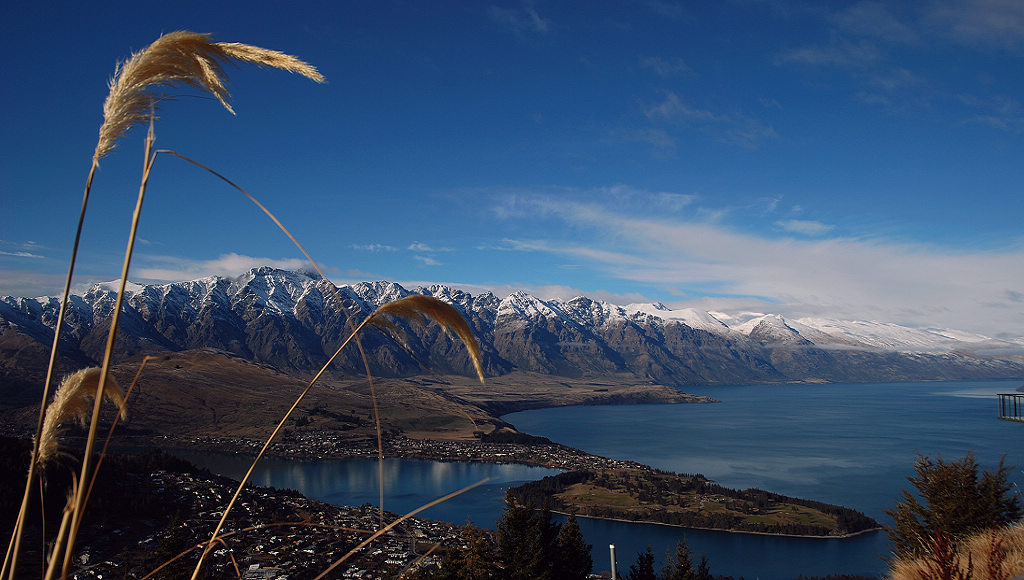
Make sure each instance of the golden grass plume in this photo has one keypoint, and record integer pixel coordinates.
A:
(994, 554)
(71, 401)
(416, 307)
(180, 58)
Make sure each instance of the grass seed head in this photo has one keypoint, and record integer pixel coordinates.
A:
(71, 401)
(179, 58)
(416, 307)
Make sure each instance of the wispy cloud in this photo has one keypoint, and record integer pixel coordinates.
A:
(665, 67)
(857, 278)
(28, 249)
(995, 24)
(535, 205)
(520, 21)
(172, 269)
(422, 247)
(1000, 112)
(15, 282)
(875, 20)
(427, 261)
(21, 254)
(735, 129)
(839, 53)
(672, 10)
(805, 227)
(374, 248)
(882, 47)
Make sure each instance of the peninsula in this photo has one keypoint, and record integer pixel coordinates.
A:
(691, 501)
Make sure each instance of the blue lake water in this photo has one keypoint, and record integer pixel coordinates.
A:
(851, 444)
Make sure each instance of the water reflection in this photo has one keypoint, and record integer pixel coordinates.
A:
(408, 483)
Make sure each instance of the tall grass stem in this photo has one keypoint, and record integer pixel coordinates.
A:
(353, 331)
(266, 445)
(11, 559)
(79, 506)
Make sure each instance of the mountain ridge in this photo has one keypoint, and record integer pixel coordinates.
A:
(292, 320)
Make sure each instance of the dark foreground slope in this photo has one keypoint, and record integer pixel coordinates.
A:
(147, 509)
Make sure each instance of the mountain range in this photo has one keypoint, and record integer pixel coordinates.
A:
(292, 321)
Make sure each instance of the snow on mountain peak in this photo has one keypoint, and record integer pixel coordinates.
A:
(522, 305)
(587, 311)
(696, 319)
(115, 286)
(286, 291)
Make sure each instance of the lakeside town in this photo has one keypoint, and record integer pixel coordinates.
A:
(328, 445)
(272, 534)
(276, 533)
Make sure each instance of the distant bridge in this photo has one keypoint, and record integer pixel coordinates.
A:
(1011, 407)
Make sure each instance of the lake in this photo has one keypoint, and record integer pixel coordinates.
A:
(849, 444)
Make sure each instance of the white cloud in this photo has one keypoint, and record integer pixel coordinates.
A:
(28, 249)
(674, 109)
(525, 21)
(421, 247)
(735, 129)
(427, 261)
(876, 41)
(670, 10)
(21, 254)
(173, 269)
(913, 284)
(985, 23)
(29, 283)
(374, 247)
(875, 20)
(805, 227)
(842, 53)
(665, 67)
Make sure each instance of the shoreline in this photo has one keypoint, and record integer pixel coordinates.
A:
(806, 536)
(329, 445)
(557, 456)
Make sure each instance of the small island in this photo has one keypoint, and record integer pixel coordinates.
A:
(692, 501)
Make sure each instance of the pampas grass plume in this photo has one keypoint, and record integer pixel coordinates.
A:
(179, 58)
(71, 401)
(416, 307)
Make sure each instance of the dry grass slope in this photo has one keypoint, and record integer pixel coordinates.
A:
(996, 554)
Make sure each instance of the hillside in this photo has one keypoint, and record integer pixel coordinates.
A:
(213, 398)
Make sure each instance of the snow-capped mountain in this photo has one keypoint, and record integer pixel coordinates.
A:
(294, 321)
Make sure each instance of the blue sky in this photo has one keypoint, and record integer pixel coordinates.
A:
(856, 160)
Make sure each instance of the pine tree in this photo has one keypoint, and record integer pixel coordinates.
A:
(643, 569)
(475, 561)
(527, 543)
(954, 501)
(703, 571)
(573, 559)
(679, 566)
